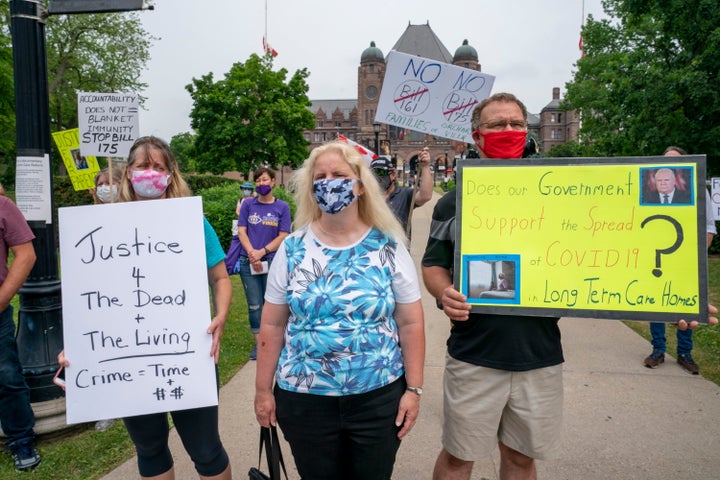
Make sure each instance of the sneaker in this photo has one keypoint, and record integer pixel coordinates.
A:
(25, 457)
(655, 358)
(253, 354)
(686, 361)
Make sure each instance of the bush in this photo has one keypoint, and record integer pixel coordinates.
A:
(203, 182)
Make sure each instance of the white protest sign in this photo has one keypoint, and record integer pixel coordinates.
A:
(715, 195)
(135, 309)
(108, 123)
(431, 97)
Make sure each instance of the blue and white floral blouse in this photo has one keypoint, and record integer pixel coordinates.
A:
(341, 337)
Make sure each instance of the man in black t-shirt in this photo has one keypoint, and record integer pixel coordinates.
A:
(400, 199)
(503, 374)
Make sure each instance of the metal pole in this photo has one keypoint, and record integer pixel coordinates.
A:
(39, 334)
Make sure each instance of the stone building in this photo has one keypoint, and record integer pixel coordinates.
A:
(555, 125)
(355, 118)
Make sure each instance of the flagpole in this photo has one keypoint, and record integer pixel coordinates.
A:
(266, 18)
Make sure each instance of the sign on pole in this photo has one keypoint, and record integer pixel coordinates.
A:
(33, 194)
(583, 237)
(135, 309)
(431, 97)
(108, 123)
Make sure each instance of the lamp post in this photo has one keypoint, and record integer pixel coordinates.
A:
(447, 165)
(39, 336)
(376, 130)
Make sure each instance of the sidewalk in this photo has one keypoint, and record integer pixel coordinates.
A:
(622, 420)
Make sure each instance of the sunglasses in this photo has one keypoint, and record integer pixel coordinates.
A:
(381, 172)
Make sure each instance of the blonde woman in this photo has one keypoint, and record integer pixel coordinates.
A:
(342, 330)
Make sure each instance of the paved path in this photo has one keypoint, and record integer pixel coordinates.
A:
(622, 420)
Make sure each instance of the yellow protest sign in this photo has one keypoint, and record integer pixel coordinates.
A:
(82, 170)
(617, 238)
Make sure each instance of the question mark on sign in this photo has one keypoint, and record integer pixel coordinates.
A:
(667, 251)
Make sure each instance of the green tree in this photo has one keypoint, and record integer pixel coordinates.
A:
(7, 100)
(252, 117)
(104, 52)
(7, 97)
(650, 78)
(567, 149)
(183, 145)
(85, 52)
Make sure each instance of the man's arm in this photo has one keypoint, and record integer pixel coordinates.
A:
(18, 273)
(424, 193)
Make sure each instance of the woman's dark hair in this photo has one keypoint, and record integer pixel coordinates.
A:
(261, 170)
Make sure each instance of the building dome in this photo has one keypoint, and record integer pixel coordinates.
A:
(372, 54)
(465, 53)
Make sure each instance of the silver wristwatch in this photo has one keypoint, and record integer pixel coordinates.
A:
(416, 390)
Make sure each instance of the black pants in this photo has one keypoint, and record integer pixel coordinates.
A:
(352, 437)
(198, 430)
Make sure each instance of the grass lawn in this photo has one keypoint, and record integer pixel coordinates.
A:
(87, 454)
(706, 340)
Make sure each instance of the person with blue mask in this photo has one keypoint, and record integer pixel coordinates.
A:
(342, 333)
(247, 189)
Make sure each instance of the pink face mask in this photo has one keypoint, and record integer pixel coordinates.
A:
(149, 183)
(504, 144)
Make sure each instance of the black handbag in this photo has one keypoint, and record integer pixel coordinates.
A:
(273, 454)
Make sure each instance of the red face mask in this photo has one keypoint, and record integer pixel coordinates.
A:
(504, 144)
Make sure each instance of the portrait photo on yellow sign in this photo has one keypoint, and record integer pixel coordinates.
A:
(620, 238)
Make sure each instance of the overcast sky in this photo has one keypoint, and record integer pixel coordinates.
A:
(530, 46)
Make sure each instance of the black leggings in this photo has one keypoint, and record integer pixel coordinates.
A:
(198, 430)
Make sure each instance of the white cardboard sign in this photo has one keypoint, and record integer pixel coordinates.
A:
(135, 309)
(108, 123)
(430, 96)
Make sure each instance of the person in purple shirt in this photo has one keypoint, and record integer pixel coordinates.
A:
(263, 223)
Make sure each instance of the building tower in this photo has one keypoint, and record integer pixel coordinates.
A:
(371, 73)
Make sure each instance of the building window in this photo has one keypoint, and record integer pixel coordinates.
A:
(552, 118)
(559, 117)
(317, 137)
(307, 136)
(371, 68)
(338, 124)
(552, 134)
(324, 137)
(321, 124)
